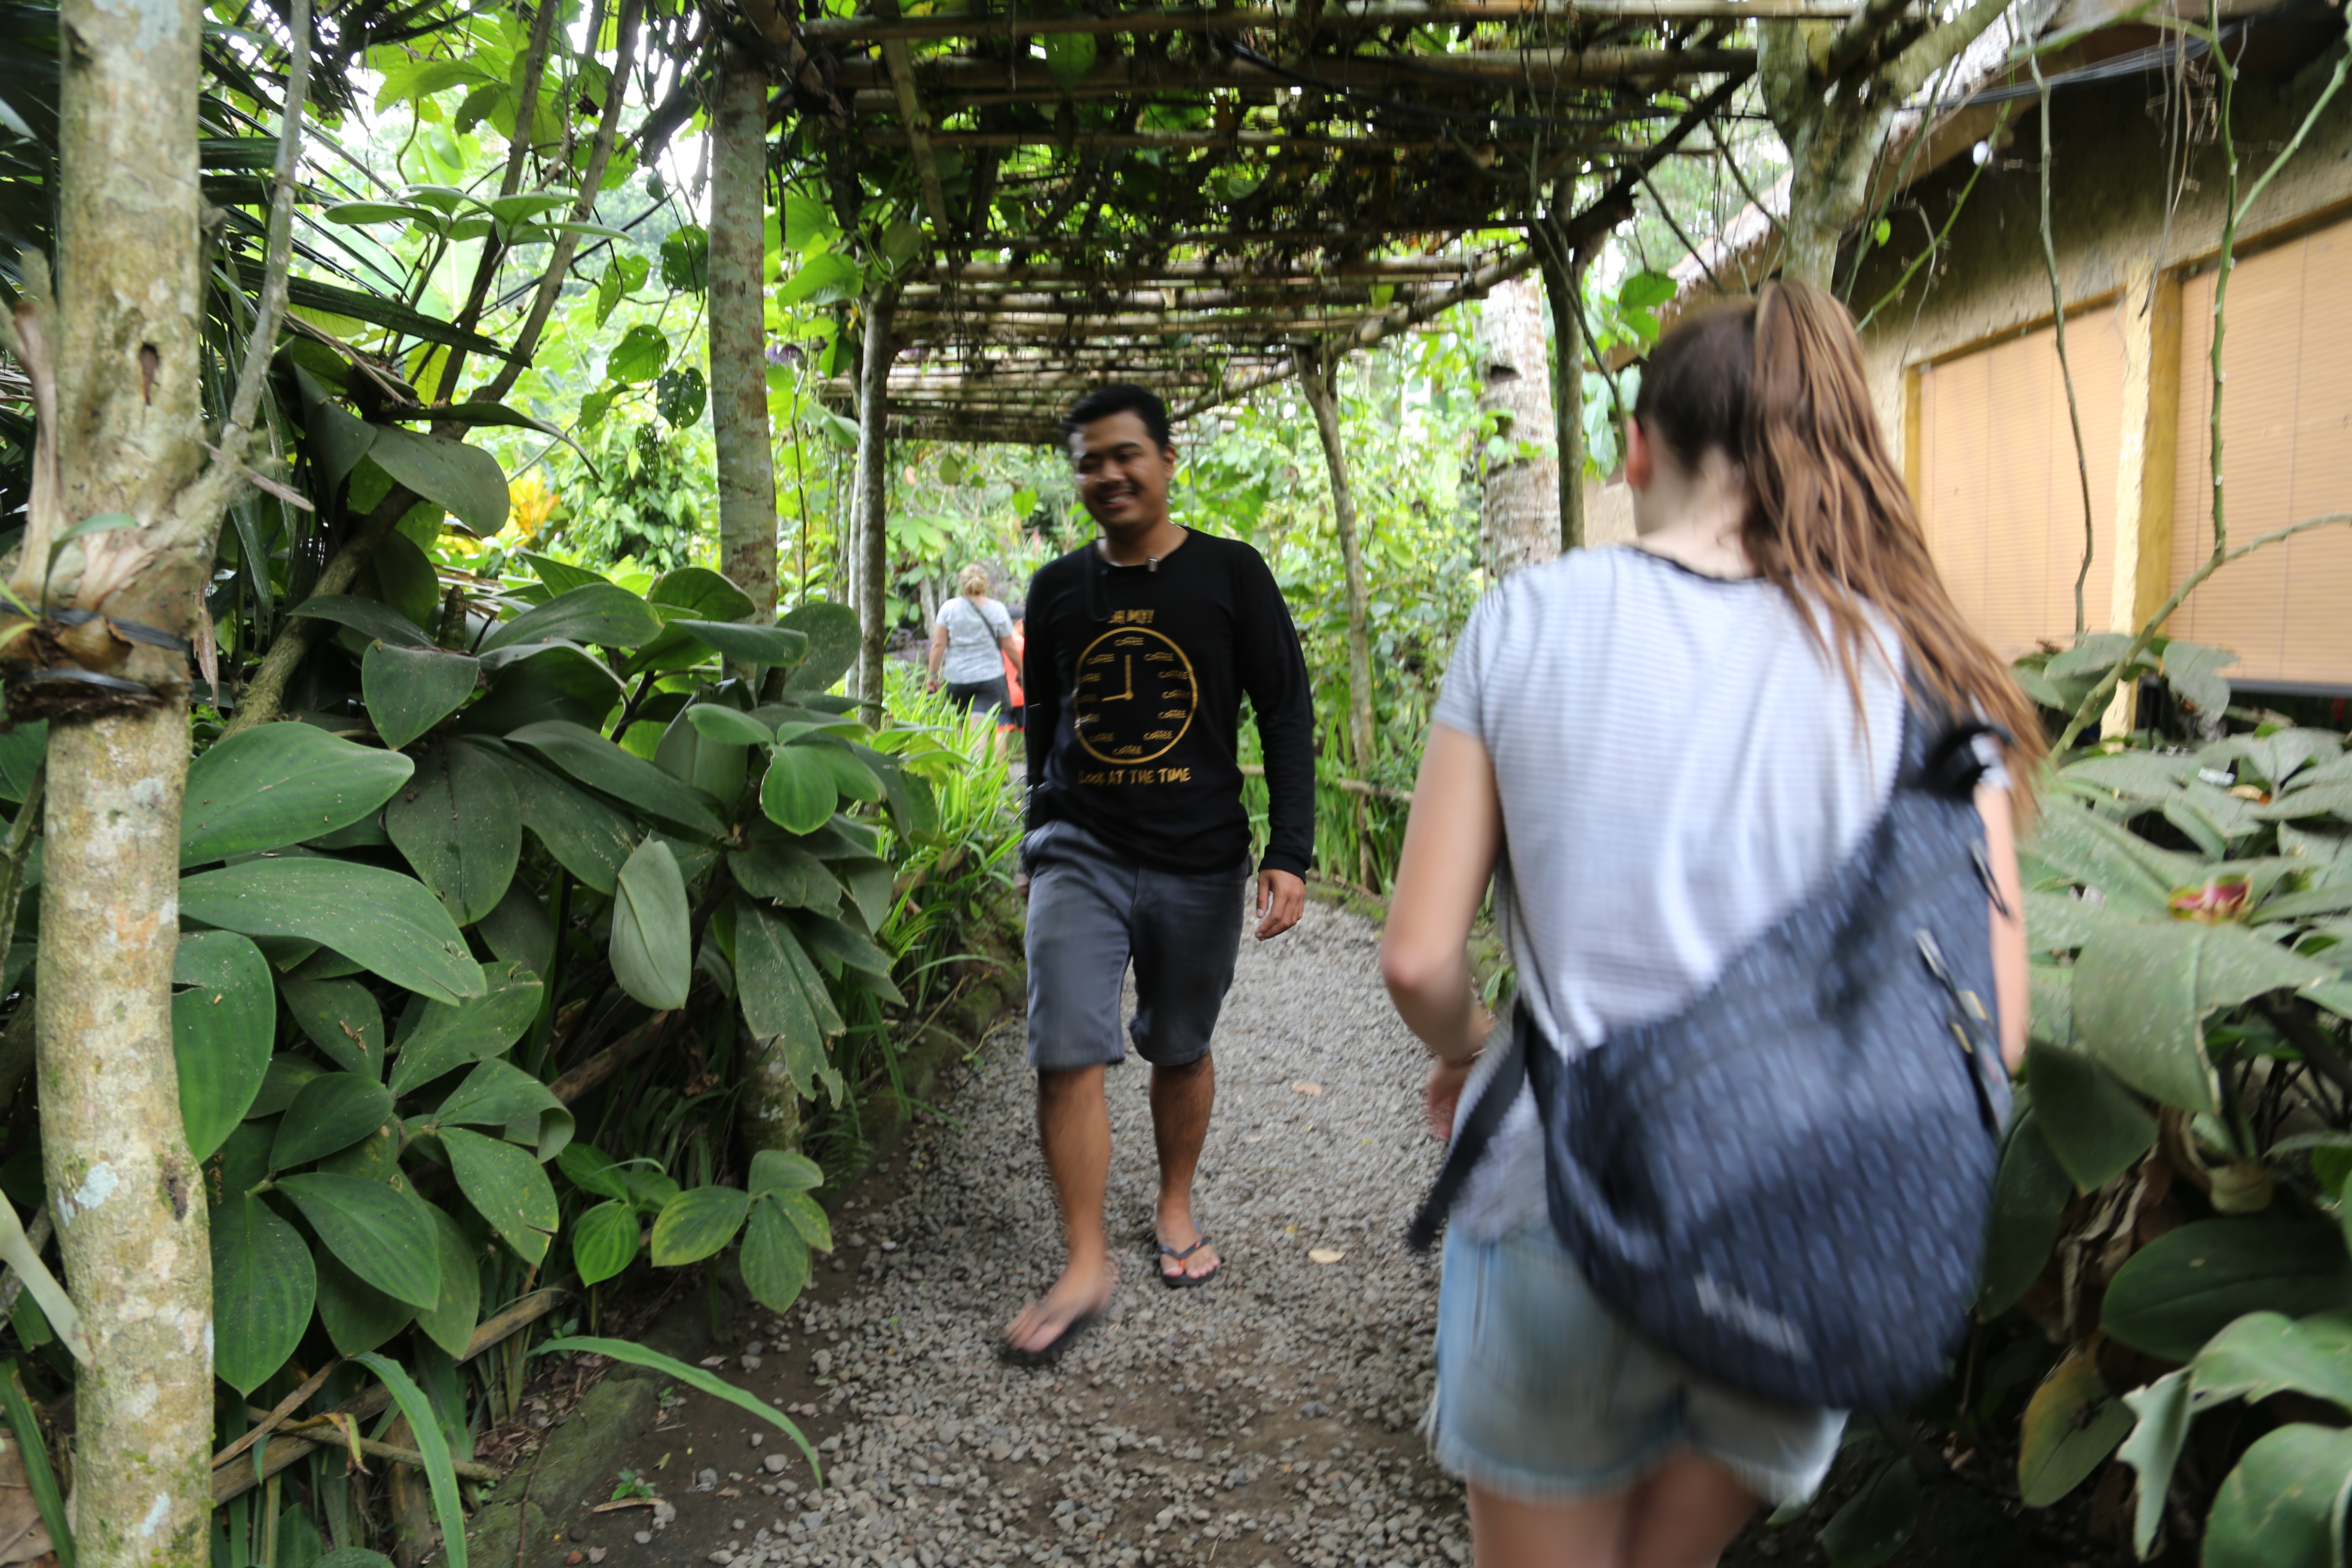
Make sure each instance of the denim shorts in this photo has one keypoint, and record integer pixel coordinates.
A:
(1544, 1395)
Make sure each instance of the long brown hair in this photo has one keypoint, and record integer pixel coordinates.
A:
(1778, 386)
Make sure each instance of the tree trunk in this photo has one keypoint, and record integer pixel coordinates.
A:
(1833, 136)
(739, 336)
(1519, 520)
(128, 1199)
(1563, 288)
(872, 549)
(1319, 377)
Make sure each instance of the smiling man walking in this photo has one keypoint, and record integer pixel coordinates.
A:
(1142, 647)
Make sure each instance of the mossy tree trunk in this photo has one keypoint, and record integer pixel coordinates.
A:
(1519, 522)
(739, 337)
(1320, 376)
(871, 552)
(130, 439)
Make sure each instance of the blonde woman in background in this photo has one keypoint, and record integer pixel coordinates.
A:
(966, 637)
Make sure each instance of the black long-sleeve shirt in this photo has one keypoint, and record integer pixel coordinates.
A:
(1135, 677)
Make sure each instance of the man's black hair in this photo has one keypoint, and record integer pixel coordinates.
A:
(1119, 397)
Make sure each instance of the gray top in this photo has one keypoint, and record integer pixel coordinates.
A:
(973, 625)
(1677, 762)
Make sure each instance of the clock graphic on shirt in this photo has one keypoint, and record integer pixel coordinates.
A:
(1136, 696)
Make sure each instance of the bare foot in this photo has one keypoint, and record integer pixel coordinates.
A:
(1176, 1234)
(1083, 1292)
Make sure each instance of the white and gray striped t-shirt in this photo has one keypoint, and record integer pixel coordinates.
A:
(973, 627)
(1678, 761)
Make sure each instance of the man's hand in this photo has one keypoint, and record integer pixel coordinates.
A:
(1281, 899)
(1021, 885)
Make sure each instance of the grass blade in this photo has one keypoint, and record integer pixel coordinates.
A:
(34, 1450)
(693, 1376)
(425, 1431)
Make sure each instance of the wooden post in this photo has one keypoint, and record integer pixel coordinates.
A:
(872, 550)
(1564, 288)
(1320, 376)
(2148, 311)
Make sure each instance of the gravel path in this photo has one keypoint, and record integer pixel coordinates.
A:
(1265, 1419)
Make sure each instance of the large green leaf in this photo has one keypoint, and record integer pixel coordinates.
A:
(600, 765)
(277, 784)
(451, 1320)
(446, 1037)
(501, 1095)
(785, 872)
(409, 689)
(852, 777)
(365, 616)
(341, 1017)
(2183, 1288)
(603, 614)
(380, 1232)
(807, 1216)
(781, 1171)
(2028, 1198)
(588, 838)
(356, 1315)
(832, 938)
(2265, 1354)
(2134, 876)
(798, 794)
(263, 1289)
(652, 948)
(331, 1113)
(775, 1260)
(221, 1029)
(2153, 1449)
(380, 918)
(769, 982)
(2143, 989)
(1876, 1521)
(507, 1187)
(465, 481)
(603, 1241)
(2285, 1504)
(872, 886)
(2070, 1425)
(2093, 1124)
(23, 748)
(460, 826)
(717, 721)
(833, 641)
(696, 1223)
(767, 646)
(688, 752)
(520, 932)
(700, 593)
(540, 682)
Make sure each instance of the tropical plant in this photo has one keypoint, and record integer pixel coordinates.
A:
(2167, 1288)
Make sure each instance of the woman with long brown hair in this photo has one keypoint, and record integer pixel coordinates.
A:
(1655, 751)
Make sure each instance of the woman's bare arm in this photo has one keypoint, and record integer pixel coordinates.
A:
(2013, 993)
(1450, 844)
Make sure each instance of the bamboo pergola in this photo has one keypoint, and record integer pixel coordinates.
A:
(1202, 199)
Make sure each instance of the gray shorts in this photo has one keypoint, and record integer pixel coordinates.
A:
(1091, 911)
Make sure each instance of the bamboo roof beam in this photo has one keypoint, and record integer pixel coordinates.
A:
(915, 134)
(970, 273)
(984, 305)
(1610, 207)
(1494, 70)
(841, 30)
(1235, 141)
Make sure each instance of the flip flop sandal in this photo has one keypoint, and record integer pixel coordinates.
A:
(1180, 1280)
